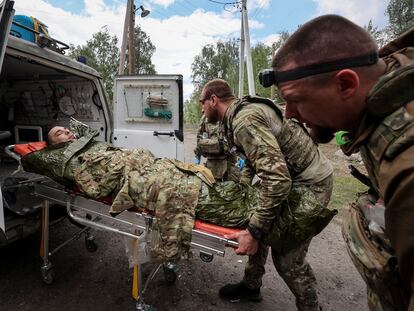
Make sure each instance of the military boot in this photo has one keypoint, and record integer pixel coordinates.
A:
(240, 291)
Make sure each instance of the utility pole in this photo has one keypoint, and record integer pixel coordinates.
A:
(131, 47)
(241, 58)
(125, 35)
(245, 50)
(128, 38)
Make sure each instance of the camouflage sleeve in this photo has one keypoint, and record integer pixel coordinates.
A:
(199, 135)
(247, 174)
(80, 129)
(396, 183)
(253, 135)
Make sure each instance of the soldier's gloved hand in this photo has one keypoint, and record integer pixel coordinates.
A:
(197, 160)
(240, 163)
(247, 244)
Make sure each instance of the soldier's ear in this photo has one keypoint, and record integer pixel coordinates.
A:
(347, 83)
(214, 100)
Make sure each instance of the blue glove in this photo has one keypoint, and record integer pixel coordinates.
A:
(196, 160)
(240, 163)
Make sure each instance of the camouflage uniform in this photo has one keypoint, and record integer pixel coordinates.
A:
(212, 145)
(283, 156)
(385, 139)
(168, 189)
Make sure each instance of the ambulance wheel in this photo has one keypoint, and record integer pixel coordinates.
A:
(91, 245)
(48, 276)
(170, 275)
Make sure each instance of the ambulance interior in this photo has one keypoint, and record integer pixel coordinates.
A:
(33, 98)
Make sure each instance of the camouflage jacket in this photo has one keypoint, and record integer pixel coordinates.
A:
(132, 178)
(385, 139)
(280, 152)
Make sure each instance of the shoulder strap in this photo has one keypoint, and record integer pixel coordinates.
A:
(235, 108)
(262, 100)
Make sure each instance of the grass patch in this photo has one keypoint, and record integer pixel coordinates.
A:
(345, 190)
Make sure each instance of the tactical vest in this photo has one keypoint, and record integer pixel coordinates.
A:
(386, 102)
(295, 143)
(213, 144)
(387, 141)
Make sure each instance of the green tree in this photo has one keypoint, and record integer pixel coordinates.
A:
(219, 60)
(400, 15)
(379, 35)
(192, 110)
(102, 54)
(283, 36)
(144, 50)
(261, 59)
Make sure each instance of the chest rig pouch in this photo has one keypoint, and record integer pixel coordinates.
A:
(386, 102)
(211, 140)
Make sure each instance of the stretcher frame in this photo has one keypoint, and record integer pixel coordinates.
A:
(95, 214)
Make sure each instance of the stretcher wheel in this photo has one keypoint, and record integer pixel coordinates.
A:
(206, 257)
(90, 244)
(169, 274)
(48, 276)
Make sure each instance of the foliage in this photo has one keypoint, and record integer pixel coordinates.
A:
(283, 36)
(261, 59)
(345, 190)
(400, 15)
(102, 54)
(192, 111)
(144, 49)
(379, 35)
(219, 60)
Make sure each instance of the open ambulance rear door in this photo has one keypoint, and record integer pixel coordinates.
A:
(6, 18)
(148, 113)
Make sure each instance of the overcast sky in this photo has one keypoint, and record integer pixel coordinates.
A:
(179, 28)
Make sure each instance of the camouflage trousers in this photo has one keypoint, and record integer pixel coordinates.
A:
(292, 265)
(294, 270)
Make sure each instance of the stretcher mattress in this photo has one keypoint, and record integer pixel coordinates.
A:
(208, 238)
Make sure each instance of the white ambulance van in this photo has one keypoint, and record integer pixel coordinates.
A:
(41, 87)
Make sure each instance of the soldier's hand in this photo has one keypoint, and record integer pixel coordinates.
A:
(247, 244)
(197, 160)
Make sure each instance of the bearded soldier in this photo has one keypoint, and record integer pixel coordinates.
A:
(284, 157)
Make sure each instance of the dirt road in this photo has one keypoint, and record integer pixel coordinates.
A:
(102, 280)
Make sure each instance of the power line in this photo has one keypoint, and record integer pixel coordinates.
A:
(258, 9)
(224, 3)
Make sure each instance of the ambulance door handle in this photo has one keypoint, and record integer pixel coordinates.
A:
(157, 133)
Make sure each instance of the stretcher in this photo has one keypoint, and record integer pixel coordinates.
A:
(208, 239)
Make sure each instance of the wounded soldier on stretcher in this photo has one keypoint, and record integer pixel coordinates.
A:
(174, 192)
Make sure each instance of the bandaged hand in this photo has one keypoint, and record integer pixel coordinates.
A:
(247, 244)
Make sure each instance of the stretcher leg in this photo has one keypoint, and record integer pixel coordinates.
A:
(46, 268)
(138, 291)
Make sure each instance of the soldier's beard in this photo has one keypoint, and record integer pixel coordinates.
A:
(322, 135)
(212, 116)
